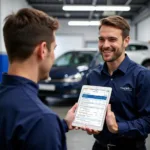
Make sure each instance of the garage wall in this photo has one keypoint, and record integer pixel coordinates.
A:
(6, 7)
(73, 37)
(66, 42)
(89, 33)
(143, 30)
(132, 32)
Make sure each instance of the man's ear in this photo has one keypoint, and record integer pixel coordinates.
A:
(126, 41)
(42, 50)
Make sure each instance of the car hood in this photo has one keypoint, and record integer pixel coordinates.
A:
(65, 71)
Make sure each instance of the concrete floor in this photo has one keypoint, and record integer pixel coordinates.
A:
(78, 139)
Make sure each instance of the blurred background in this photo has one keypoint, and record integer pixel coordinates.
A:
(77, 53)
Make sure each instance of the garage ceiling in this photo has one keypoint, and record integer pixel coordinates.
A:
(139, 8)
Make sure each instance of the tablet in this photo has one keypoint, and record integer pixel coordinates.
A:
(92, 106)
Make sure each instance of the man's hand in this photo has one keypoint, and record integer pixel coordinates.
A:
(70, 116)
(89, 131)
(111, 121)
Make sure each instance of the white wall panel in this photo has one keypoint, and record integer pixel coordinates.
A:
(143, 29)
(88, 32)
(67, 42)
(7, 7)
(132, 32)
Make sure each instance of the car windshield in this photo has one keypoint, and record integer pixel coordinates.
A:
(75, 58)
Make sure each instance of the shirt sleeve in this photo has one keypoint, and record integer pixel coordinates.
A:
(141, 125)
(65, 126)
(47, 134)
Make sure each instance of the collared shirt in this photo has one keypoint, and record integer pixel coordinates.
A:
(25, 122)
(130, 98)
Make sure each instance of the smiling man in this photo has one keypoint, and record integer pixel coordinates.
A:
(128, 114)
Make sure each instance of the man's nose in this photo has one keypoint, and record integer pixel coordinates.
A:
(106, 44)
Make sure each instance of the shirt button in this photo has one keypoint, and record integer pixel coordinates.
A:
(111, 79)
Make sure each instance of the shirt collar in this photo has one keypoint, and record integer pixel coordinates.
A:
(123, 66)
(18, 80)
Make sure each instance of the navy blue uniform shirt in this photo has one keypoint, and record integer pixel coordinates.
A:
(130, 99)
(25, 122)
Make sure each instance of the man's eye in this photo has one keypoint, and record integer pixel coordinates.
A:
(112, 40)
(100, 39)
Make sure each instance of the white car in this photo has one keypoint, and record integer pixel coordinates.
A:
(139, 52)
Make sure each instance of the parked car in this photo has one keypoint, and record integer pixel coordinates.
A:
(69, 70)
(68, 73)
(139, 52)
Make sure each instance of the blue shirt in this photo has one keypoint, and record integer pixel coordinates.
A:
(25, 122)
(130, 98)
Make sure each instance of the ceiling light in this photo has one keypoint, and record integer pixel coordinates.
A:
(109, 13)
(97, 15)
(95, 8)
(84, 23)
(67, 15)
(112, 8)
(78, 8)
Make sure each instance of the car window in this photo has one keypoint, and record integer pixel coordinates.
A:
(63, 60)
(98, 60)
(75, 58)
(83, 58)
(134, 47)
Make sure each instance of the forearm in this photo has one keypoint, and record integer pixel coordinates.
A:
(138, 127)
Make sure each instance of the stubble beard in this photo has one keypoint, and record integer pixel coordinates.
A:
(116, 54)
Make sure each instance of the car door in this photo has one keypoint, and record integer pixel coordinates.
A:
(137, 52)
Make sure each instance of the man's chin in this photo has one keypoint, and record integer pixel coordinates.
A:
(107, 59)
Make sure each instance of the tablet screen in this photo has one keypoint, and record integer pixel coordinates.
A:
(92, 106)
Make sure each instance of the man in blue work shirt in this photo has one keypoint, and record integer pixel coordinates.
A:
(128, 115)
(25, 122)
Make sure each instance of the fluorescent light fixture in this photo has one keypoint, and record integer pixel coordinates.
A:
(95, 8)
(112, 8)
(78, 8)
(84, 23)
(109, 13)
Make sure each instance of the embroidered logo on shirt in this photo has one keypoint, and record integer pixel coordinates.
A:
(126, 89)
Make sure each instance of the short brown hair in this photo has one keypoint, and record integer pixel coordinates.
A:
(24, 30)
(117, 22)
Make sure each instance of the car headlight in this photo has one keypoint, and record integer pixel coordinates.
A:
(73, 78)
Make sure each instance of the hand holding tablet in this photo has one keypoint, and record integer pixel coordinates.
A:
(92, 106)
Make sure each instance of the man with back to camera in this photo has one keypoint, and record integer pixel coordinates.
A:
(128, 114)
(25, 122)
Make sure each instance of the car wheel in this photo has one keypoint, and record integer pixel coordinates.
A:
(147, 65)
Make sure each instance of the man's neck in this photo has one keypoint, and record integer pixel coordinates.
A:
(24, 70)
(112, 66)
